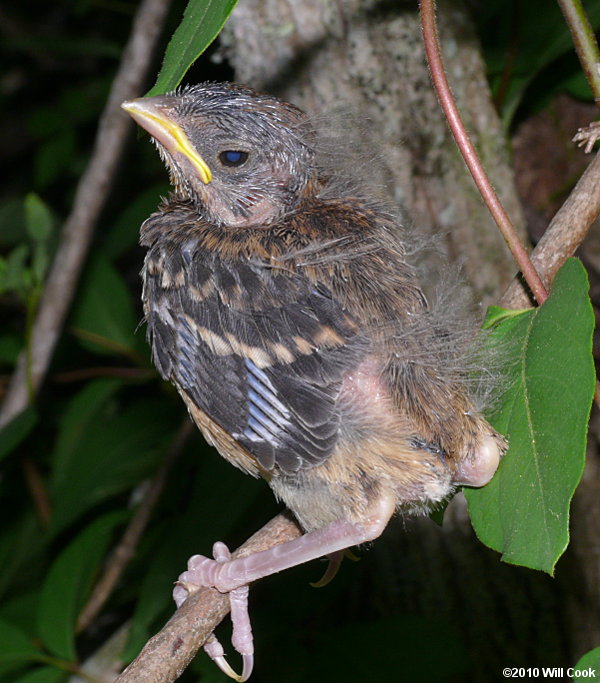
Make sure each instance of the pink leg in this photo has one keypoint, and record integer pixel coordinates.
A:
(229, 576)
(242, 631)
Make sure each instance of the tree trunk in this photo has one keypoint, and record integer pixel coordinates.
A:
(367, 58)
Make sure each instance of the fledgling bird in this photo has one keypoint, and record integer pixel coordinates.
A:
(282, 306)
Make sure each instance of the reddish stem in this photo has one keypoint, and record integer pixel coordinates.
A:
(440, 82)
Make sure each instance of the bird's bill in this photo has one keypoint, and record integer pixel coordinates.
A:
(152, 114)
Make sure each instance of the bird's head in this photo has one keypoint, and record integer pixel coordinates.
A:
(242, 157)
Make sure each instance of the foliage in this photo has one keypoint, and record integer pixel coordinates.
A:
(76, 464)
(524, 512)
(529, 53)
(202, 22)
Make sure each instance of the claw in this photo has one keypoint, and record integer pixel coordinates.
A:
(335, 561)
(214, 650)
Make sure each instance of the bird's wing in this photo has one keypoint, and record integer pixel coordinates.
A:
(262, 353)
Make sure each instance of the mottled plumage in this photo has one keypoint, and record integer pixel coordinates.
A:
(296, 331)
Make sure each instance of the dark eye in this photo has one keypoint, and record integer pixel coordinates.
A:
(233, 157)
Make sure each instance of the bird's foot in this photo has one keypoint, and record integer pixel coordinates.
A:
(204, 572)
(334, 563)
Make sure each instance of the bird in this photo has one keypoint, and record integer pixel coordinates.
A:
(282, 303)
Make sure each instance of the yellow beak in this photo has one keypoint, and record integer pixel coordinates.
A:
(152, 114)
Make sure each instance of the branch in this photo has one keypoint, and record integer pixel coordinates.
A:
(565, 233)
(442, 87)
(166, 655)
(585, 43)
(89, 199)
(125, 550)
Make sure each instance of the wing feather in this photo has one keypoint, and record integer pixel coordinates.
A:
(262, 353)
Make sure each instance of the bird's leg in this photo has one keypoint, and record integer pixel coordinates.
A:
(234, 576)
(242, 631)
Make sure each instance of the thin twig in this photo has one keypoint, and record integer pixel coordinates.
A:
(37, 490)
(125, 550)
(89, 199)
(440, 82)
(584, 41)
(565, 233)
(167, 654)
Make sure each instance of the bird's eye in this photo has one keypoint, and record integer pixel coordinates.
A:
(233, 157)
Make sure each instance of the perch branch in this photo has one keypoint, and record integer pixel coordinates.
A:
(565, 233)
(442, 87)
(166, 655)
(89, 200)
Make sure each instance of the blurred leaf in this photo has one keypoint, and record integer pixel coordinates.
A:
(83, 103)
(80, 415)
(45, 121)
(12, 222)
(124, 234)
(38, 218)
(14, 273)
(65, 45)
(577, 86)
(10, 347)
(45, 674)
(590, 660)
(69, 581)
(104, 310)
(524, 511)
(3, 269)
(40, 261)
(53, 157)
(21, 545)
(17, 430)
(521, 40)
(201, 24)
(16, 644)
(105, 447)
(20, 609)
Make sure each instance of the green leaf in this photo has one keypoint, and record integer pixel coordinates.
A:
(105, 446)
(17, 430)
(68, 583)
(125, 231)
(496, 314)
(38, 218)
(44, 674)
(20, 607)
(103, 316)
(21, 547)
(518, 45)
(201, 24)
(40, 259)
(523, 512)
(10, 347)
(590, 660)
(12, 222)
(16, 644)
(53, 157)
(14, 274)
(82, 413)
